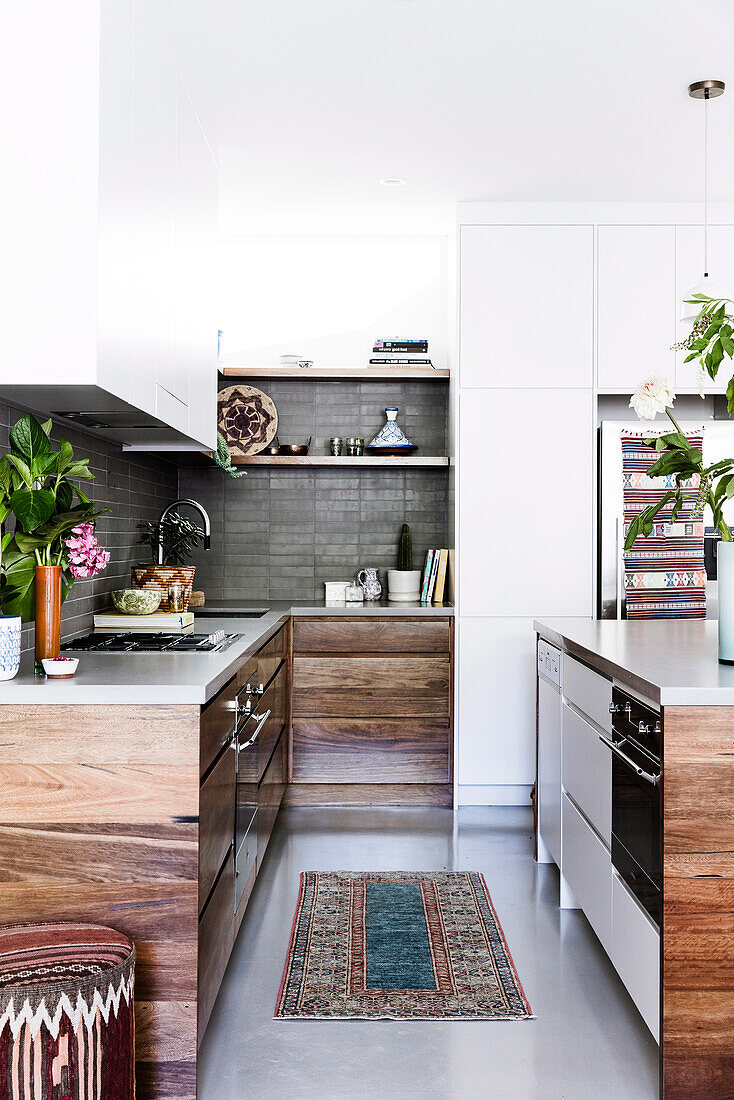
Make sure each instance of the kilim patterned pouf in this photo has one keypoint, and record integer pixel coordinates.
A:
(67, 1029)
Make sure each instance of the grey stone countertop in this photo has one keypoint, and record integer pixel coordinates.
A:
(673, 662)
(183, 678)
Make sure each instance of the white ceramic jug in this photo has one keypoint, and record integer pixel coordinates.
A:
(370, 581)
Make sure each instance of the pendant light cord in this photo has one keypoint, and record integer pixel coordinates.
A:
(706, 183)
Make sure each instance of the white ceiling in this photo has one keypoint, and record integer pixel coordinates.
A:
(310, 102)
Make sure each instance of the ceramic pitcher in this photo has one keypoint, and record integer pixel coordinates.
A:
(370, 581)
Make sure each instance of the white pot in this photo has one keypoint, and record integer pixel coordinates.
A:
(9, 646)
(404, 584)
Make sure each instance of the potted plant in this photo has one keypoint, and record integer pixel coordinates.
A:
(403, 583)
(181, 536)
(709, 343)
(53, 542)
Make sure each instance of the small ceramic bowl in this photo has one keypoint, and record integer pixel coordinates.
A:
(136, 601)
(60, 668)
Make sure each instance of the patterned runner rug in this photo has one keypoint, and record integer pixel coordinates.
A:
(398, 946)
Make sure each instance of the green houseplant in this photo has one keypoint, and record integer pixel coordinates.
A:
(52, 543)
(181, 536)
(403, 583)
(709, 344)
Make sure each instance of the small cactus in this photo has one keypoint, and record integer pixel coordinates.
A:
(405, 549)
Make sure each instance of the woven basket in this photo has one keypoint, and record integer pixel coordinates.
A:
(67, 1025)
(157, 578)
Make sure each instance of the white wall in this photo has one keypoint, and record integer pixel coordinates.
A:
(328, 298)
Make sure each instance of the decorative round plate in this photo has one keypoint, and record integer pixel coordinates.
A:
(248, 419)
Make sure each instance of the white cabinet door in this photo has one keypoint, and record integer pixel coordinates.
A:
(689, 271)
(526, 305)
(587, 772)
(526, 517)
(196, 330)
(496, 702)
(587, 868)
(635, 952)
(549, 768)
(636, 327)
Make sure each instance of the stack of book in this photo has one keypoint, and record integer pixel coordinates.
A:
(167, 622)
(434, 576)
(400, 353)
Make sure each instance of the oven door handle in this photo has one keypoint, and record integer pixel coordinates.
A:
(652, 779)
(261, 720)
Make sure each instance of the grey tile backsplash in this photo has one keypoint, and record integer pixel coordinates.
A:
(280, 532)
(135, 487)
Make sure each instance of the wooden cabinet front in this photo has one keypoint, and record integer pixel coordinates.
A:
(269, 797)
(216, 937)
(380, 750)
(274, 700)
(371, 687)
(217, 717)
(368, 635)
(216, 820)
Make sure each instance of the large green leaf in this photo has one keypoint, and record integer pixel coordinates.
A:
(46, 534)
(20, 571)
(64, 497)
(29, 440)
(23, 469)
(32, 507)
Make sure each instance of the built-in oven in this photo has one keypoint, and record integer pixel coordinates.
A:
(636, 784)
(249, 722)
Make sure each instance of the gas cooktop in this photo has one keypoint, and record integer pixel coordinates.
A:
(151, 643)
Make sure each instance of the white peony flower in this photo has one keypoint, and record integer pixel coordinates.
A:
(654, 396)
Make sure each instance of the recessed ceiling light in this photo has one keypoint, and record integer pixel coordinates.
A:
(392, 181)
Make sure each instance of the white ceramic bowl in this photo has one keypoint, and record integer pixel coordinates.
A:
(57, 669)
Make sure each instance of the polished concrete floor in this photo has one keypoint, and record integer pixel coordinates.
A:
(587, 1040)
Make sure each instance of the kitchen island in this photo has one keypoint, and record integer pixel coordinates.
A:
(670, 673)
(122, 790)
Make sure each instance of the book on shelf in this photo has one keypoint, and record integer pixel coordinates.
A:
(389, 361)
(443, 557)
(426, 576)
(417, 347)
(434, 574)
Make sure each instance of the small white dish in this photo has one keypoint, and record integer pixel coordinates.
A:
(290, 360)
(60, 668)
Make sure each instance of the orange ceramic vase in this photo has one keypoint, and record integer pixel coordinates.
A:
(48, 612)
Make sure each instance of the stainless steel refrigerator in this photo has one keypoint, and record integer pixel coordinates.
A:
(718, 443)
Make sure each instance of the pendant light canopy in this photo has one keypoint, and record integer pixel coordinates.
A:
(705, 90)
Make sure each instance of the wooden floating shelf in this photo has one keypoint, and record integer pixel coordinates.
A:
(342, 460)
(361, 374)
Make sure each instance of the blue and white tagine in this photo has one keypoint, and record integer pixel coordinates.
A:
(9, 646)
(391, 439)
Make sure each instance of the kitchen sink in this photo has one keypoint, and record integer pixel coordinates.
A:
(232, 611)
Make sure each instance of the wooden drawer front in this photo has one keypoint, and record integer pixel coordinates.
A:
(587, 772)
(269, 797)
(216, 937)
(275, 701)
(217, 717)
(271, 656)
(384, 750)
(636, 953)
(588, 690)
(336, 635)
(216, 821)
(372, 687)
(587, 867)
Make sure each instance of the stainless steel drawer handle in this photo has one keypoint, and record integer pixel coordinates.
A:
(652, 779)
(261, 720)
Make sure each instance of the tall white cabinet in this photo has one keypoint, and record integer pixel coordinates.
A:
(109, 211)
(525, 481)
